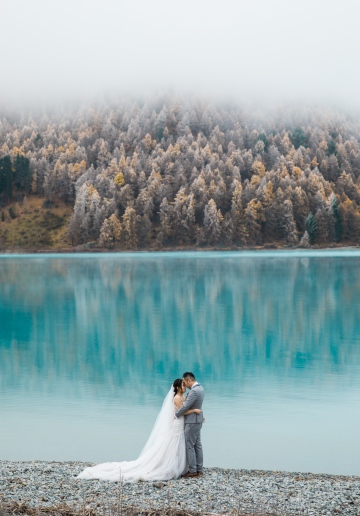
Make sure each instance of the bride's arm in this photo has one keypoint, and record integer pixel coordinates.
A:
(191, 411)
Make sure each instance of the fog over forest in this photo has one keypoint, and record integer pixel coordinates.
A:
(185, 123)
(235, 48)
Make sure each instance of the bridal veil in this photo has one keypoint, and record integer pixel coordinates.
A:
(162, 458)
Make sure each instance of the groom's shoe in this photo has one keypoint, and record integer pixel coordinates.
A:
(189, 475)
(200, 473)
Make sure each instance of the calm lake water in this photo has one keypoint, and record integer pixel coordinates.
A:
(90, 344)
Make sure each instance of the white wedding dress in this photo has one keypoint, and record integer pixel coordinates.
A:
(162, 458)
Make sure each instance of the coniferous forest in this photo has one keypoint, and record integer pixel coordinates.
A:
(176, 172)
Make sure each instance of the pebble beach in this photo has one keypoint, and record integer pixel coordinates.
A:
(48, 485)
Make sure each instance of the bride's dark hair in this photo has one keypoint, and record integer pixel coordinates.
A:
(177, 384)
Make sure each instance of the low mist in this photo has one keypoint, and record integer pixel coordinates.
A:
(241, 50)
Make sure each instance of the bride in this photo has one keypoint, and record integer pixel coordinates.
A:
(163, 456)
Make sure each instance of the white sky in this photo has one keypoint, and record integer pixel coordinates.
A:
(55, 49)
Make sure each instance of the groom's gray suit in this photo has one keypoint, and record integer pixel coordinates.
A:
(193, 424)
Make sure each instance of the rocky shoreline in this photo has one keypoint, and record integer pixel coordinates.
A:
(44, 486)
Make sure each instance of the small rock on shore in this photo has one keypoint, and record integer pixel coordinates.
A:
(40, 484)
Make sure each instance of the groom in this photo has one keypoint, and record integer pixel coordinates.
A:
(193, 424)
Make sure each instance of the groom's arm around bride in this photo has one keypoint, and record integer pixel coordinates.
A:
(194, 400)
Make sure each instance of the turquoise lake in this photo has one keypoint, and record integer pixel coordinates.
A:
(90, 344)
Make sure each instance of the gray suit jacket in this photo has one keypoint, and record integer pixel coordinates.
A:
(194, 400)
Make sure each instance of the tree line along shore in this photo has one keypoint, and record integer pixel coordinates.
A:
(178, 173)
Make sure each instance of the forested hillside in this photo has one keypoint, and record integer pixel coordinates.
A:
(183, 173)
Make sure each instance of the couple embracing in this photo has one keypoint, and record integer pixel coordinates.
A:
(174, 447)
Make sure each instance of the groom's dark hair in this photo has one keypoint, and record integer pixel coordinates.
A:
(189, 375)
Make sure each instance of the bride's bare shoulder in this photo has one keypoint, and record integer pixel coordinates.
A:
(178, 400)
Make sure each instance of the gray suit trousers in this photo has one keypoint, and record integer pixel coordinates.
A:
(193, 444)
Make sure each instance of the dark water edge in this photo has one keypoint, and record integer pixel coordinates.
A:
(84, 249)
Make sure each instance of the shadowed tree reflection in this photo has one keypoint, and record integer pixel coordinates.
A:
(106, 319)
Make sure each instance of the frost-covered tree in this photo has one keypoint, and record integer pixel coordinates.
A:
(305, 240)
(110, 232)
(289, 223)
(239, 234)
(130, 228)
(254, 217)
(212, 223)
(137, 154)
(165, 226)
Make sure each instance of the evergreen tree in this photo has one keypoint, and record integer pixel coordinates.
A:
(331, 147)
(262, 137)
(324, 226)
(179, 215)
(337, 218)
(22, 174)
(289, 224)
(305, 240)
(129, 227)
(93, 219)
(5, 178)
(110, 232)
(298, 138)
(144, 228)
(190, 217)
(254, 217)
(311, 227)
(239, 232)
(165, 227)
(136, 154)
(212, 223)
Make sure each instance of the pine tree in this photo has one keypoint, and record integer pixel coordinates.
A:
(119, 180)
(110, 232)
(50, 187)
(300, 207)
(6, 178)
(138, 154)
(324, 225)
(179, 214)
(298, 138)
(311, 227)
(289, 223)
(22, 174)
(305, 240)
(254, 217)
(129, 227)
(337, 217)
(212, 223)
(165, 228)
(144, 228)
(239, 232)
(190, 217)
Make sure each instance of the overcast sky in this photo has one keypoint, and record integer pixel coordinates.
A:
(277, 49)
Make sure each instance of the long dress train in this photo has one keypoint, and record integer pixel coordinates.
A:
(162, 458)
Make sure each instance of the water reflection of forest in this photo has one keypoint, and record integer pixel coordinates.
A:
(107, 319)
